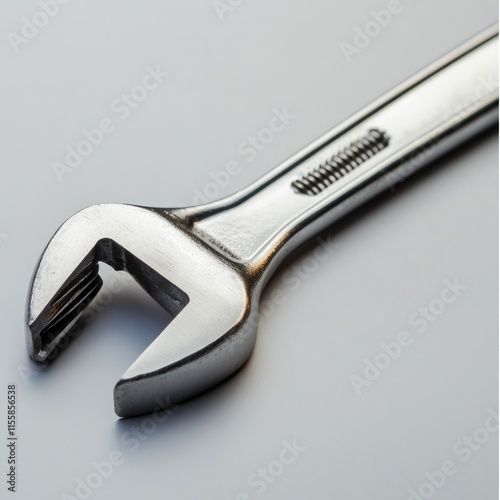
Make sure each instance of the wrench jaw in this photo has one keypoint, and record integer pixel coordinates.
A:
(45, 331)
(64, 283)
(210, 336)
(141, 390)
(206, 343)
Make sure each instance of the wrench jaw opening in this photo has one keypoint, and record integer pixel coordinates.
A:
(67, 279)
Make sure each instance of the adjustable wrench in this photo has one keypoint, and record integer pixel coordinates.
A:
(207, 265)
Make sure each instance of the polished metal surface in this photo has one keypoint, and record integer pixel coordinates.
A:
(207, 265)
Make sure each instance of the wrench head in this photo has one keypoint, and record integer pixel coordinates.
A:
(211, 335)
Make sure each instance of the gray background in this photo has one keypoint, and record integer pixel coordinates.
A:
(225, 78)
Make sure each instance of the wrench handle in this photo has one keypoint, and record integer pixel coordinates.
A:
(437, 109)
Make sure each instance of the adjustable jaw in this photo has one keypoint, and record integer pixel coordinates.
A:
(210, 336)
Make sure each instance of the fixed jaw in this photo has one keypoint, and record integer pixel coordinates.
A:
(210, 336)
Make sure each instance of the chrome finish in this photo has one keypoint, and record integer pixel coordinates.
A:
(208, 264)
